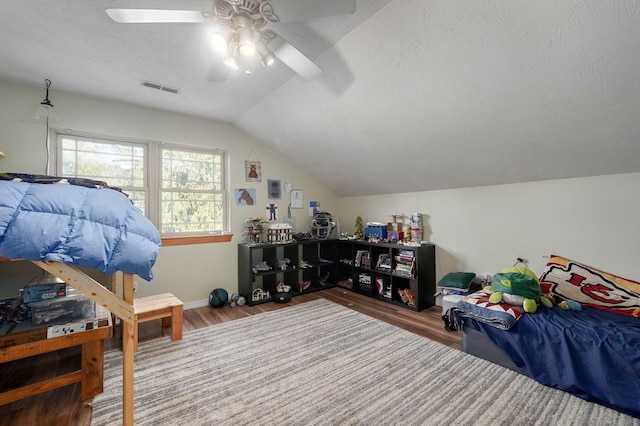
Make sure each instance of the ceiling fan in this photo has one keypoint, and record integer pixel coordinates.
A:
(239, 31)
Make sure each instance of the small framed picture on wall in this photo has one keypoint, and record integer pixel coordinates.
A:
(274, 189)
(296, 198)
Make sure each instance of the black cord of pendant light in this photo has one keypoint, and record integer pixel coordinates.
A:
(45, 109)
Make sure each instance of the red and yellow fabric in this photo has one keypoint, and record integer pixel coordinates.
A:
(590, 286)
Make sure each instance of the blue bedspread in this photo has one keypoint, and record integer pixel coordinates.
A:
(94, 228)
(592, 354)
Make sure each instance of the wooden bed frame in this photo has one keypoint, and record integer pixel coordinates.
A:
(120, 306)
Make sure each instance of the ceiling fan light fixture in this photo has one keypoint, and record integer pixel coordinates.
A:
(230, 59)
(219, 42)
(267, 57)
(246, 45)
(246, 48)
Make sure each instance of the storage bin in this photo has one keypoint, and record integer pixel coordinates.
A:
(73, 306)
(449, 301)
(44, 288)
(378, 231)
(395, 236)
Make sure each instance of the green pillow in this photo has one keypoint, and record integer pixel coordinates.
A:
(457, 280)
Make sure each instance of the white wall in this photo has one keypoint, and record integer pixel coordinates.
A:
(190, 272)
(593, 220)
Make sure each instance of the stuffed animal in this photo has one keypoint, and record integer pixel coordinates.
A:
(518, 285)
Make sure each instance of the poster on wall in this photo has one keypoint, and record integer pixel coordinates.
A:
(252, 171)
(245, 196)
(314, 208)
(272, 211)
(296, 198)
(274, 189)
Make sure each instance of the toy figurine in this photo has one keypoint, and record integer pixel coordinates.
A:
(359, 228)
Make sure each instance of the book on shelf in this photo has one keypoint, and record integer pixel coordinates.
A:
(405, 264)
(366, 260)
(362, 258)
(405, 256)
(384, 262)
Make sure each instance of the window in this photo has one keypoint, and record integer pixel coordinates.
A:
(182, 190)
(192, 191)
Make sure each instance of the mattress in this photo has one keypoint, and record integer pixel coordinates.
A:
(593, 354)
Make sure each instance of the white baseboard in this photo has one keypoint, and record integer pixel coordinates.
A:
(196, 304)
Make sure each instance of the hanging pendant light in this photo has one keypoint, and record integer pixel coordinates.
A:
(46, 107)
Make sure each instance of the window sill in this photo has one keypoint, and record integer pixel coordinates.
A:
(200, 239)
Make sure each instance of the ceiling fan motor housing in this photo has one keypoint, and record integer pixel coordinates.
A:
(227, 10)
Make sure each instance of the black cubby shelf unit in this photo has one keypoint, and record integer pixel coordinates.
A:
(375, 269)
(261, 267)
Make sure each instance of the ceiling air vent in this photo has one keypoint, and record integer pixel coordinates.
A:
(157, 86)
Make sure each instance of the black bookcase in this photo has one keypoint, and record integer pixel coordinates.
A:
(375, 269)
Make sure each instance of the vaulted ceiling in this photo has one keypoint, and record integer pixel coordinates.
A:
(415, 94)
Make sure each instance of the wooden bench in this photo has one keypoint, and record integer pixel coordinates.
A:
(165, 306)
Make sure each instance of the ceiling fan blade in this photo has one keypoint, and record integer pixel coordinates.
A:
(156, 16)
(293, 58)
(297, 10)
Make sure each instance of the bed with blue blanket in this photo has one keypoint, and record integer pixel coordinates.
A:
(90, 226)
(593, 353)
(60, 224)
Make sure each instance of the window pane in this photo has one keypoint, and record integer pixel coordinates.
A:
(138, 199)
(118, 164)
(190, 170)
(192, 211)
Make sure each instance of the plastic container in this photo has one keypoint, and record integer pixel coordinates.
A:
(449, 301)
(44, 288)
(73, 306)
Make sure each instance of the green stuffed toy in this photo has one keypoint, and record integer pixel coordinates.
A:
(518, 285)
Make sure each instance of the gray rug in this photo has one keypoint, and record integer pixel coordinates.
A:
(319, 363)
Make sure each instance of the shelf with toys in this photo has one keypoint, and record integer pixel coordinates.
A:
(266, 269)
(384, 264)
(396, 273)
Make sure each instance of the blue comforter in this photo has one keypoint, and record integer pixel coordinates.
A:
(94, 228)
(593, 354)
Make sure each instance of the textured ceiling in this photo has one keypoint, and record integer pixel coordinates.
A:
(415, 94)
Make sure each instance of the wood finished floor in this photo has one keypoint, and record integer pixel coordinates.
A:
(63, 406)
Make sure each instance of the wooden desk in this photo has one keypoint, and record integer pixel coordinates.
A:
(121, 307)
(32, 342)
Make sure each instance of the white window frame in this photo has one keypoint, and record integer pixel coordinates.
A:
(153, 173)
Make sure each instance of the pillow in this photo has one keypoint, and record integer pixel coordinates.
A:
(591, 286)
(457, 281)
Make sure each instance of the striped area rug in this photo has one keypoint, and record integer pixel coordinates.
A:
(319, 363)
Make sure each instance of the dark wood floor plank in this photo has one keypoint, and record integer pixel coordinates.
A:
(63, 406)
